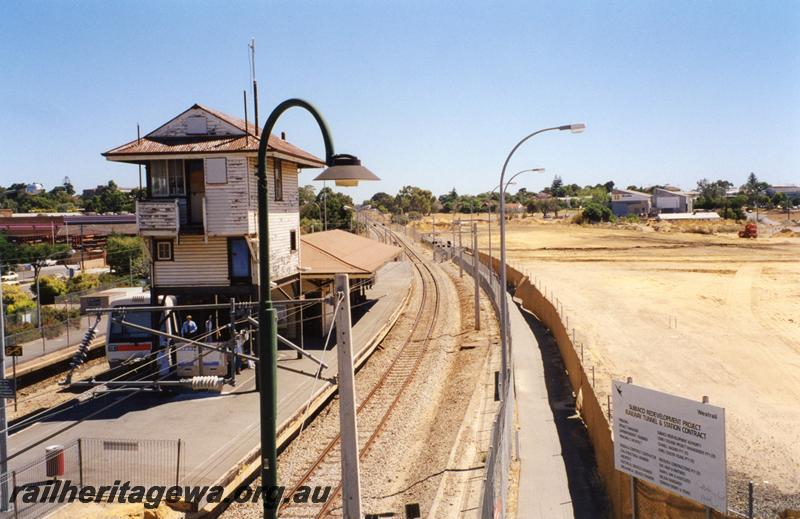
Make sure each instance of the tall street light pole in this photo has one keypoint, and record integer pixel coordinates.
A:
(489, 214)
(4, 435)
(342, 168)
(574, 128)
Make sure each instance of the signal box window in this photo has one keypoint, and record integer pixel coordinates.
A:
(166, 177)
(278, 180)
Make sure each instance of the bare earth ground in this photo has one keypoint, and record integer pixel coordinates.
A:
(687, 313)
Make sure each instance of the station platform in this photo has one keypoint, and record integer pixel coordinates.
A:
(219, 430)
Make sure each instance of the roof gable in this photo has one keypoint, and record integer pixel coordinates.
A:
(223, 134)
(197, 122)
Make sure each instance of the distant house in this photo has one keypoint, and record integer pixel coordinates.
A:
(514, 208)
(627, 201)
(670, 201)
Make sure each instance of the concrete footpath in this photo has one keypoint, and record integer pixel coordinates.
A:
(543, 484)
(219, 430)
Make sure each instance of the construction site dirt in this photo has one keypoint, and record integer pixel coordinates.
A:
(689, 309)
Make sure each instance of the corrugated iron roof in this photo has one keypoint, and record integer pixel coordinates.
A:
(148, 145)
(334, 252)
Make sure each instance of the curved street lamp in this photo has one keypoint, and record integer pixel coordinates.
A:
(345, 170)
(574, 128)
(510, 182)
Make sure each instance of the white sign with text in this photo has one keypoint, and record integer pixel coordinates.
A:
(673, 442)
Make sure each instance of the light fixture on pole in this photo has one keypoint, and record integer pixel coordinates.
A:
(504, 329)
(344, 168)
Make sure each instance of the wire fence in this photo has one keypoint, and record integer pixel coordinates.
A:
(64, 470)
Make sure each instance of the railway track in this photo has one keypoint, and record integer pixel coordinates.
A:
(377, 406)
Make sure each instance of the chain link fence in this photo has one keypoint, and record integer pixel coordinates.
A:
(92, 462)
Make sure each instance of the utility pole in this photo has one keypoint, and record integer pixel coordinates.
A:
(476, 276)
(324, 209)
(460, 255)
(351, 486)
(83, 266)
(453, 244)
(39, 311)
(3, 423)
(138, 139)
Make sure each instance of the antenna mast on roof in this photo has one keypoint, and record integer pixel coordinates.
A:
(246, 132)
(252, 46)
(138, 141)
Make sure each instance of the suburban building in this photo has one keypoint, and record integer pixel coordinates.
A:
(200, 215)
(791, 191)
(34, 188)
(671, 201)
(627, 201)
(514, 209)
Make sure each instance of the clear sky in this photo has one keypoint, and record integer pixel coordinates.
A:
(433, 94)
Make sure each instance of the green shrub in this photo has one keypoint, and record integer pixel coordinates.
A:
(16, 299)
(83, 282)
(51, 287)
(594, 212)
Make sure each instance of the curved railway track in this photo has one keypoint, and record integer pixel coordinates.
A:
(377, 406)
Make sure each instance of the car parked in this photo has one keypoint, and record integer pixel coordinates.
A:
(11, 278)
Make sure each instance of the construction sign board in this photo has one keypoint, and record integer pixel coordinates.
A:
(7, 388)
(675, 443)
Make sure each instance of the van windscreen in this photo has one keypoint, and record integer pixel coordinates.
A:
(121, 332)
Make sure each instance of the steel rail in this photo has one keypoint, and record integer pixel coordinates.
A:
(420, 266)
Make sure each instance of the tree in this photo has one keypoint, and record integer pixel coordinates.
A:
(39, 254)
(334, 203)
(557, 187)
(307, 194)
(51, 287)
(383, 202)
(449, 201)
(783, 201)
(124, 253)
(109, 199)
(414, 199)
(310, 211)
(753, 188)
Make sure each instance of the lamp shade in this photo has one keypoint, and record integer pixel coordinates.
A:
(346, 170)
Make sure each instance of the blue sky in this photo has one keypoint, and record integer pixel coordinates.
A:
(433, 94)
